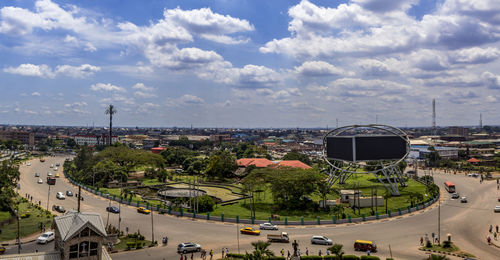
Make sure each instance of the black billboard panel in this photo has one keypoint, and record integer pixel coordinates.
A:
(338, 147)
(367, 148)
(370, 148)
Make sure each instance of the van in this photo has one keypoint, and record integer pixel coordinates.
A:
(365, 245)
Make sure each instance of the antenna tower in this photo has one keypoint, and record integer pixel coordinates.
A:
(480, 121)
(433, 116)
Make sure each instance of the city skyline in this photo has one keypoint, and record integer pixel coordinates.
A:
(249, 64)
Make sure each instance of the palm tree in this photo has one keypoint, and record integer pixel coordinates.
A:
(261, 251)
(110, 111)
(336, 250)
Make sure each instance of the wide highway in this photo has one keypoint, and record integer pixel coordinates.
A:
(467, 223)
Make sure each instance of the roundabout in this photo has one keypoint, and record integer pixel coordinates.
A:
(467, 223)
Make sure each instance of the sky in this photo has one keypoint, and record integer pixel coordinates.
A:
(249, 63)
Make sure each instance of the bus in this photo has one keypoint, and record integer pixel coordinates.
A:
(450, 187)
(51, 181)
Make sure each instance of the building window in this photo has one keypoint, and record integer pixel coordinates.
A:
(73, 251)
(84, 249)
(93, 248)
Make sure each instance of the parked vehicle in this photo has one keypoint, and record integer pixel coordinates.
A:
(45, 237)
(188, 247)
(249, 231)
(69, 193)
(60, 195)
(143, 210)
(55, 168)
(268, 226)
(282, 238)
(113, 209)
(365, 245)
(321, 240)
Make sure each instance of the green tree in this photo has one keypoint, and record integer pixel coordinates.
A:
(261, 251)
(205, 203)
(433, 158)
(9, 177)
(337, 251)
(106, 171)
(84, 157)
(221, 165)
(295, 155)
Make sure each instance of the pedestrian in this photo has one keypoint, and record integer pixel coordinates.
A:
(192, 255)
(282, 252)
(223, 252)
(319, 253)
(496, 228)
(368, 252)
(298, 252)
(307, 251)
(327, 252)
(182, 257)
(227, 251)
(288, 257)
(211, 254)
(491, 228)
(495, 235)
(421, 241)
(489, 240)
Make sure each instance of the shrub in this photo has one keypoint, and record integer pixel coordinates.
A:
(428, 244)
(369, 257)
(205, 203)
(350, 257)
(130, 245)
(311, 257)
(277, 258)
(389, 259)
(446, 244)
(234, 255)
(329, 257)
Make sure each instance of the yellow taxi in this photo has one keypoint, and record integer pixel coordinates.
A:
(143, 210)
(57, 175)
(249, 231)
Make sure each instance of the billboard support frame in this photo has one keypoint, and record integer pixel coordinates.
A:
(340, 170)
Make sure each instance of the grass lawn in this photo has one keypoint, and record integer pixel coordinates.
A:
(4, 215)
(123, 242)
(223, 194)
(28, 225)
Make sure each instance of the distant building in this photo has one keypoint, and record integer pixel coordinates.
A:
(27, 138)
(219, 138)
(293, 164)
(456, 130)
(422, 151)
(93, 140)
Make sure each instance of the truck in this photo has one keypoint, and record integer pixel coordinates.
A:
(282, 238)
(51, 181)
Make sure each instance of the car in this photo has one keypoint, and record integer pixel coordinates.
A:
(365, 245)
(321, 240)
(57, 175)
(188, 247)
(143, 210)
(58, 164)
(49, 174)
(463, 200)
(268, 226)
(46, 237)
(37, 174)
(498, 199)
(69, 193)
(60, 209)
(55, 168)
(113, 209)
(51, 166)
(28, 164)
(249, 231)
(60, 195)
(455, 196)
(496, 209)
(40, 181)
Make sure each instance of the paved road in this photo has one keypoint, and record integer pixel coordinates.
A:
(467, 223)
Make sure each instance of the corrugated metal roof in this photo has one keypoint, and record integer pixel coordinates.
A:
(53, 255)
(72, 222)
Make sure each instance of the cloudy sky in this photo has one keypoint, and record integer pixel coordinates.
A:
(249, 63)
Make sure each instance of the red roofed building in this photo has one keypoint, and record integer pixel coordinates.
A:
(258, 162)
(473, 160)
(157, 149)
(293, 164)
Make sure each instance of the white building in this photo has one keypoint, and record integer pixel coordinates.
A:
(94, 140)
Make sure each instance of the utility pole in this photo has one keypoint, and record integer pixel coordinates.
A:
(48, 198)
(152, 227)
(108, 209)
(238, 235)
(439, 219)
(18, 236)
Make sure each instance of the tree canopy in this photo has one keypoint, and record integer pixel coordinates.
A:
(295, 155)
(9, 176)
(221, 165)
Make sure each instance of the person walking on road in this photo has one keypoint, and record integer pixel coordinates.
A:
(421, 241)
(496, 228)
(211, 254)
(223, 250)
(491, 228)
(489, 240)
(282, 252)
(192, 255)
(495, 235)
(307, 251)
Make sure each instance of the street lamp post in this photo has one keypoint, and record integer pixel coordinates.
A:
(18, 235)
(439, 220)
(152, 227)
(48, 198)
(108, 209)
(238, 235)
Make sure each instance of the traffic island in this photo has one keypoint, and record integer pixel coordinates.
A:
(130, 242)
(447, 249)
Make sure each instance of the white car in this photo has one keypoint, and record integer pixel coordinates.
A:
(55, 168)
(45, 237)
(463, 200)
(268, 226)
(29, 164)
(51, 166)
(40, 181)
(321, 240)
(49, 174)
(60, 195)
(496, 209)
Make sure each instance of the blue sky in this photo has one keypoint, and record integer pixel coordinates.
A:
(249, 63)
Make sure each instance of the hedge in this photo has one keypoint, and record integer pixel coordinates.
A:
(311, 257)
(350, 257)
(389, 259)
(277, 258)
(329, 257)
(369, 257)
(234, 255)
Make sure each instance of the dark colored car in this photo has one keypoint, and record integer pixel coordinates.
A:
(113, 209)
(69, 193)
(59, 209)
